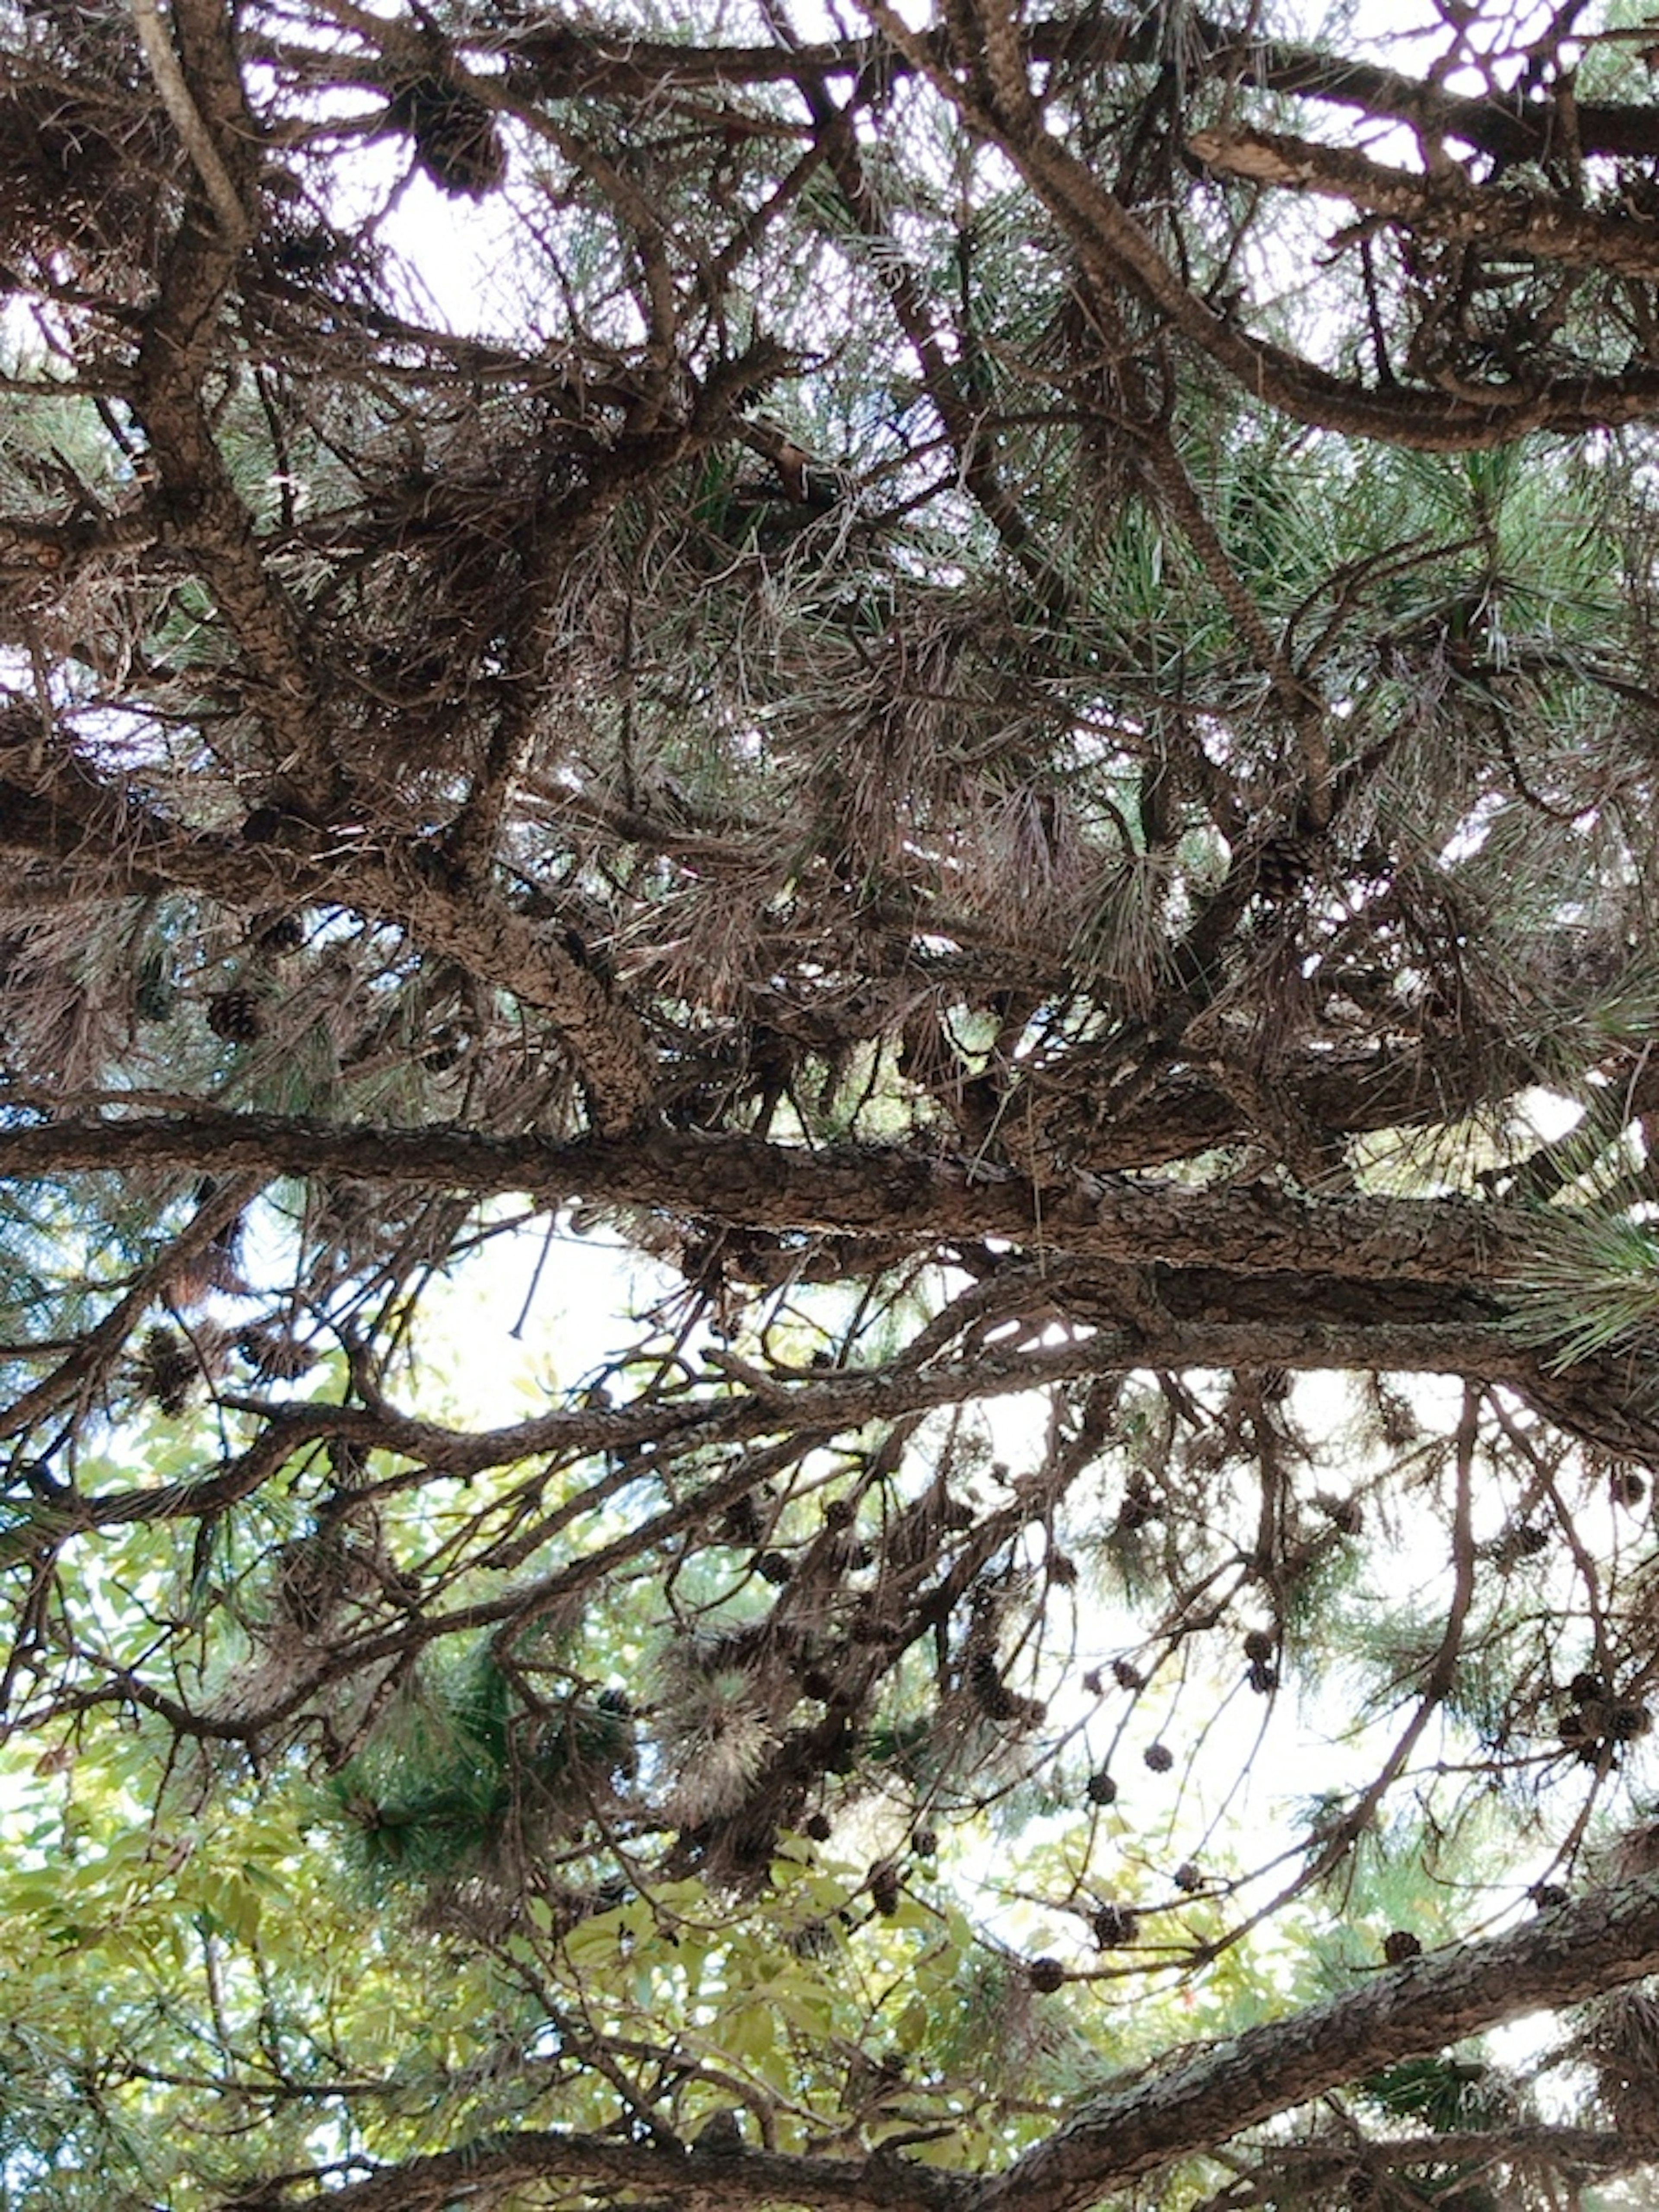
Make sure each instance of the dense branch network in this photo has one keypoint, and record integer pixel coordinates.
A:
(797, 649)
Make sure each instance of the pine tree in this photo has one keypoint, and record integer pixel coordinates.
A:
(987, 690)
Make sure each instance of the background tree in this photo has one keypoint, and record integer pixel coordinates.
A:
(988, 690)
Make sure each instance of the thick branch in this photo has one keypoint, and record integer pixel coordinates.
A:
(870, 1189)
(1115, 250)
(1559, 1959)
(484, 2170)
(569, 63)
(1446, 206)
(75, 816)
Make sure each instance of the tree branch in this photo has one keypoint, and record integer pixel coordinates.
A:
(1448, 206)
(1563, 1956)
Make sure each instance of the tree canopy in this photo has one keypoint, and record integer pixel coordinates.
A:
(829, 1305)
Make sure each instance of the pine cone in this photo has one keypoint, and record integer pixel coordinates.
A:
(456, 139)
(275, 1355)
(279, 932)
(167, 1371)
(720, 2136)
(884, 1888)
(1113, 1925)
(1283, 867)
(236, 1016)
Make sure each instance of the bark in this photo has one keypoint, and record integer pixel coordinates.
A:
(744, 1182)
(696, 2182)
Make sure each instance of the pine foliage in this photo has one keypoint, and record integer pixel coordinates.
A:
(949, 729)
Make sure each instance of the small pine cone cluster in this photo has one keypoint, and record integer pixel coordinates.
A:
(277, 932)
(348, 1462)
(1046, 1976)
(1261, 1674)
(1127, 1675)
(313, 1574)
(884, 1891)
(1113, 1926)
(457, 141)
(1102, 1789)
(1399, 1945)
(1283, 867)
(236, 1016)
(167, 1371)
(741, 1522)
(1187, 1877)
(1346, 1515)
(275, 1355)
(1158, 1757)
(987, 1687)
(993, 1696)
(1523, 1540)
(1138, 1507)
(1597, 1720)
(868, 1623)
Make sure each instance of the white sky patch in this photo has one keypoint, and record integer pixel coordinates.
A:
(573, 1294)
(1548, 1114)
